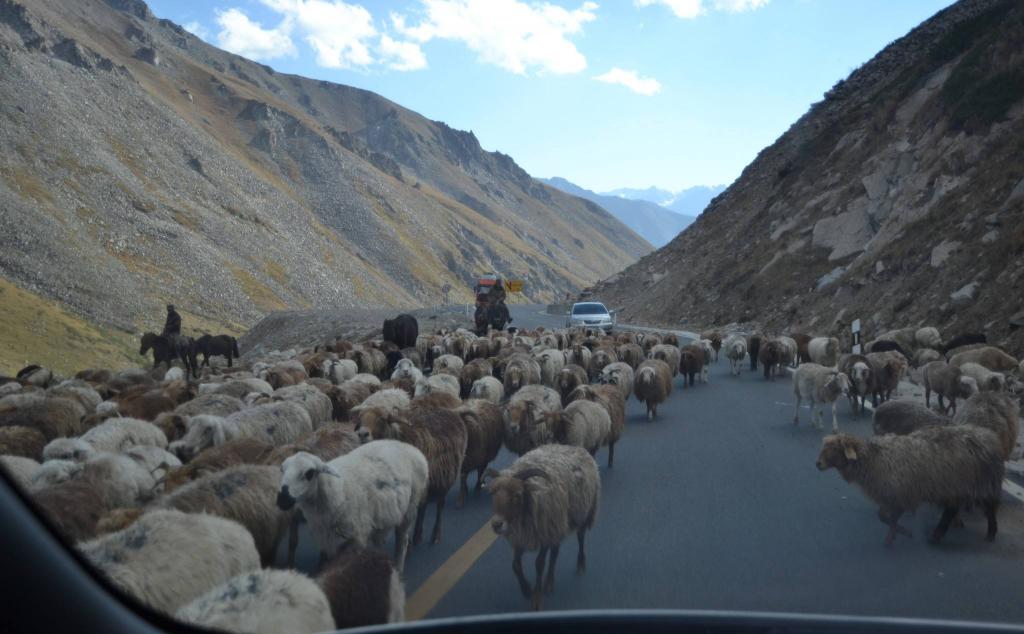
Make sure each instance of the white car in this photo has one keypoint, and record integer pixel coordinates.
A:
(591, 315)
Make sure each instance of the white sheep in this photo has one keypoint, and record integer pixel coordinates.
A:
(369, 379)
(391, 398)
(113, 434)
(276, 423)
(262, 602)
(174, 374)
(928, 337)
(621, 375)
(340, 370)
(448, 363)
(237, 387)
(551, 361)
(406, 369)
(824, 351)
(488, 389)
(53, 472)
(356, 499)
(736, 351)
(168, 558)
(582, 424)
(121, 479)
(317, 404)
(438, 383)
(987, 380)
(20, 470)
(820, 385)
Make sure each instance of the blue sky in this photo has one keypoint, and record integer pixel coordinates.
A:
(620, 93)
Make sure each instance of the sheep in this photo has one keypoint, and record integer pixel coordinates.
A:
(652, 385)
(715, 339)
(583, 424)
(339, 370)
(989, 356)
(472, 372)
(27, 442)
(121, 479)
(569, 378)
(950, 466)
(525, 420)
(630, 353)
(479, 348)
(667, 353)
(357, 498)
(218, 404)
(819, 384)
(580, 355)
(444, 400)
(327, 443)
(608, 397)
(439, 383)
(348, 396)
(888, 368)
(996, 412)
(551, 361)
(168, 558)
(277, 423)
(449, 363)
(544, 496)
(754, 350)
(113, 434)
(771, 355)
(649, 341)
(370, 361)
(236, 388)
(789, 350)
(79, 391)
(363, 588)
(904, 340)
(406, 369)
(986, 380)
(489, 389)
(620, 375)
(924, 356)
(903, 417)
(19, 469)
(53, 417)
(214, 459)
(862, 380)
(147, 404)
(947, 380)
(485, 432)
(824, 351)
(966, 339)
(802, 353)
(262, 602)
(73, 507)
(520, 371)
(317, 404)
(691, 363)
(53, 472)
(598, 359)
(927, 337)
(390, 398)
(243, 493)
(157, 461)
(440, 434)
(735, 351)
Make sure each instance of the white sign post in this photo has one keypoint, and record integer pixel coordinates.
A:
(856, 336)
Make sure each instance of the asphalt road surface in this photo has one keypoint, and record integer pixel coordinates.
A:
(717, 504)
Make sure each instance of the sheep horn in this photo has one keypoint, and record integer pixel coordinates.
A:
(526, 474)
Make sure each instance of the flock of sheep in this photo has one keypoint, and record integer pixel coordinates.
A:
(181, 491)
(917, 455)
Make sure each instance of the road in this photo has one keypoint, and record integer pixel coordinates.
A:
(717, 504)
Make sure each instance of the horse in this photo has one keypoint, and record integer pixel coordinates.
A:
(217, 346)
(167, 348)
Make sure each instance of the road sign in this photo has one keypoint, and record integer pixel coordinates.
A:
(855, 327)
(514, 286)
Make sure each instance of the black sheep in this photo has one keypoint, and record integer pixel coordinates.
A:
(402, 331)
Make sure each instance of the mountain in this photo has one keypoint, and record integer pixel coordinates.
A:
(141, 166)
(897, 200)
(652, 222)
(689, 202)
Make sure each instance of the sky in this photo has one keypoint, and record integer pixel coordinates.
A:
(618, 93)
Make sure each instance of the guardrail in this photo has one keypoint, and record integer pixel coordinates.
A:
(558, 309)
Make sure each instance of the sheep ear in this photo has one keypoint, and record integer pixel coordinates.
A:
(329, 470)
(849, 451)
(526, 474)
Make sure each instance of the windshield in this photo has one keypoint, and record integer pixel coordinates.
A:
(589, 309)
(249, 350)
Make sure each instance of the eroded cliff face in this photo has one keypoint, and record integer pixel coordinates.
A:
(898, 199)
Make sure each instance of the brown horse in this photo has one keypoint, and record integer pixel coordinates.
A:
(167, 348)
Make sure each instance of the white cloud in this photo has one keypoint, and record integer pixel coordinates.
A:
(339, 33)
(689, 9)
(402, 55)
(197, 30)
(510, 34)
(244, 37)
(647, 86)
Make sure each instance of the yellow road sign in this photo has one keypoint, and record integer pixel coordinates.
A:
(514, 286)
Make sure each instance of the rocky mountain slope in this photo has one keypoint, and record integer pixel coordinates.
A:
(139, 165)
(651, 222)
(898, 199)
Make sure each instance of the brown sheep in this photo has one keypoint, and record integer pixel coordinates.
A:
(475, 369)
(599, 358)
(716, 341)
(569, 378)
(73, 507)
(946, 380)
(370, 361)
(632, 354)
(888, 367)
(444, 400)
(479, 349)
(22, 441)
(233, 452)
(652, 385)
(611, 399)
(404, 383)
(350, 394)
(802, 354)
(363, 588)
(96, 376)
(53, 417)
(691, 363)
(439, 433)
(151, 403)
(989, 356)
(485, 431)
(326, 442)
(771, 355)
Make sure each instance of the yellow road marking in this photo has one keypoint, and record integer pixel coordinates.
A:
(426, 598)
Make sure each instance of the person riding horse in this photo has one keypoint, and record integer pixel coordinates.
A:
(179, 346)
(173, 324)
